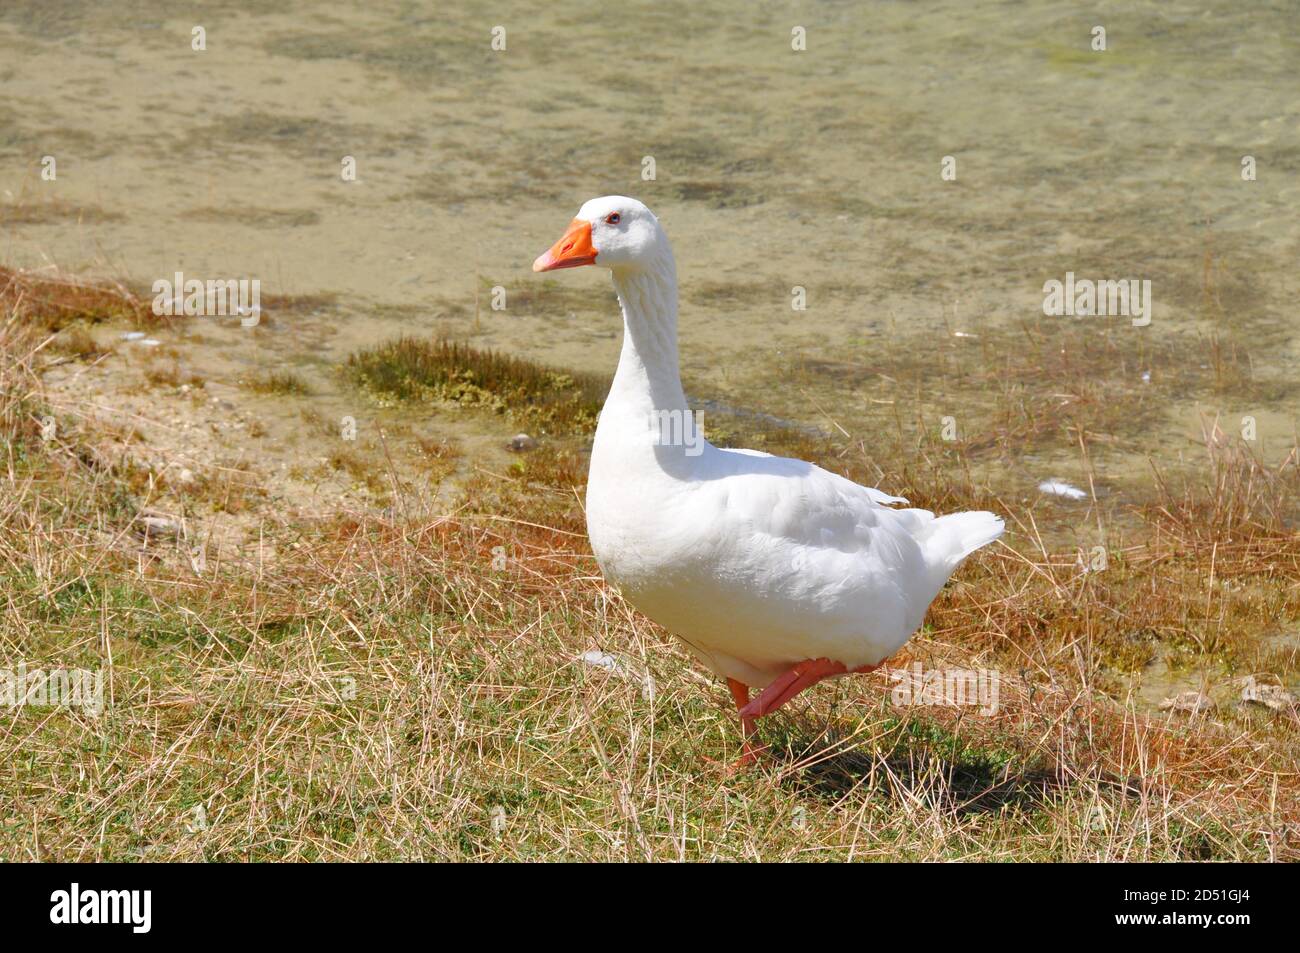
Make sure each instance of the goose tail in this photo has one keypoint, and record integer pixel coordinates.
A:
(954, 537)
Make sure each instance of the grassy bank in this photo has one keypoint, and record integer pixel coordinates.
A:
(403, 680)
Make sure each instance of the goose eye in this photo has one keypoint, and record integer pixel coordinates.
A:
(612, 218)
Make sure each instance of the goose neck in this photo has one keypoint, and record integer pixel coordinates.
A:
(648, 372)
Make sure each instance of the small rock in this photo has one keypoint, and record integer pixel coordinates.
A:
(1191, 702)
(521, 442)
(1271, 696)
(185, 477)
(158, 526)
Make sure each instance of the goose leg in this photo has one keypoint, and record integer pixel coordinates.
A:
(740, 692)
(801, 676)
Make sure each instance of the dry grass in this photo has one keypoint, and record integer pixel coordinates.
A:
(54, 300)
(404, 684)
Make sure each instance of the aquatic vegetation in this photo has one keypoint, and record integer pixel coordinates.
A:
(282, 382)
(171, 375)
(413, 369)
(49, 211)
(257, 217)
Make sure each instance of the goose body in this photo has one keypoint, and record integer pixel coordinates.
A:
(758, 563)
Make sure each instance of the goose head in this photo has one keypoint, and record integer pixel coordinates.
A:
(613, 231)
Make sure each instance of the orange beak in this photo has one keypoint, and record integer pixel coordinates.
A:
(572, 250)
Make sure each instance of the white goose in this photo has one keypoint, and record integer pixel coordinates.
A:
(774, 572)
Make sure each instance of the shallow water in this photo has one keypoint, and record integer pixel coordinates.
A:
(774, 168)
